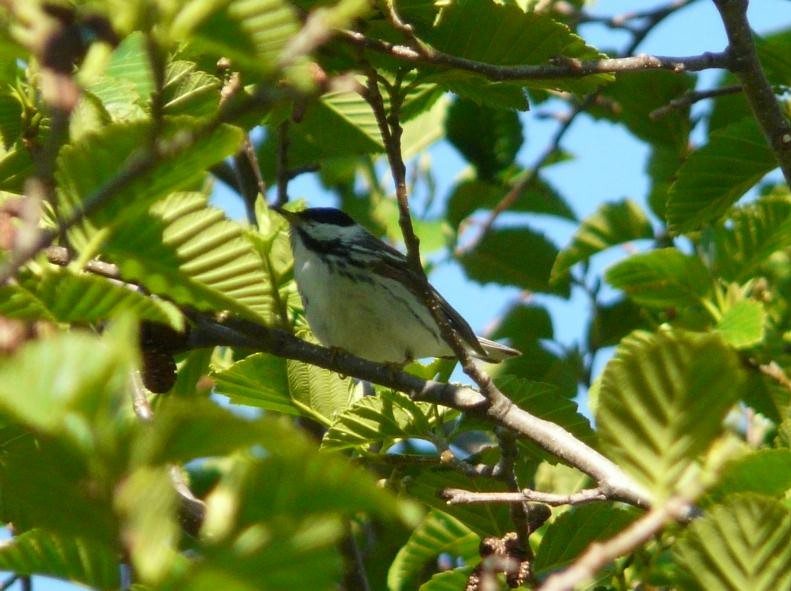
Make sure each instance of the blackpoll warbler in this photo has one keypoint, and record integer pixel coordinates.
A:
(360, 295)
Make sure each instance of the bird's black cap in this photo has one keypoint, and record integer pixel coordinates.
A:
(321, 215)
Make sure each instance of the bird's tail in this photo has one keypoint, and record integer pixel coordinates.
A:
(495, 352)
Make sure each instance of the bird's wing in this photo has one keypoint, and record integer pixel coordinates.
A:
(394, 265)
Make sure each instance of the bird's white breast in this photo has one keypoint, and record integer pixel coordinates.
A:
(378, 320)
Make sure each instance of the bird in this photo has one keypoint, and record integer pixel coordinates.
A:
(361, 295)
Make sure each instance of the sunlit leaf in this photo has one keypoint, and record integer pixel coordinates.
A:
(715, 176)
(764, 471)
(41, 552)
(743, 324)
(662, 401)
(570, 534)
(437, 534)
(740, 544)
(662, 277)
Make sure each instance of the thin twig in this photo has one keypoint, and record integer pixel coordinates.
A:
(759, 94)
(774, 371)
(457, 496)
(599, 555)
(691, 97)
(564, 68)
(282, 164)
(356, 577)
(59, 255)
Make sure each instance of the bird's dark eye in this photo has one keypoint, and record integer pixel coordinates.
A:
(327, 215)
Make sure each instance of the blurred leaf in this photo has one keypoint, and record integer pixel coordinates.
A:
(612, 322)
(450, 580)
(742, 325)
(386, 417)
(64, 295)
(45, 553)
(67, 380)
(488, 138)
(716, 175)
(86, 167)
(573, 531)
(437, 534)
(251, 33)
(191, 253)
(764, 471)
(613, 223)
(662, 277)
(470, 195)
(740, 544)
(323, 391)
(189, 91)
(524, 324)
(466, 29)
(662, 401)
(11, 122)
(185, 430)
(513, 256)
(16, 165)
(501, 95)
(147, 504)
(661, 168)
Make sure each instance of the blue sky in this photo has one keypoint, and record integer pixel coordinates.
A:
(608, 165)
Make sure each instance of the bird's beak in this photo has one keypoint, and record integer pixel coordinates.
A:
(291, 217)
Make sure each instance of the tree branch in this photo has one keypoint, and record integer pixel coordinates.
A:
(494, 406)
(747, 68)
(691, 97)
(599, 555)
(563, 68)
(457, 496)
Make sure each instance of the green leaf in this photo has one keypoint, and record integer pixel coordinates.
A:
(742, 325)
(86, 167)
(661, 168)
(323, 391)
(466, 29)
(185, 430)
(470, 195)
(631, 99)
(612, 223)
(64, 295)
(573, 531)
(191, 253)
(11, 122)
(437, 534)
(386, 417)
(41, 552)
(513, 256)
(740, 544)
(662, 277)
(715, 176)
(67, 379)
(147, 505)
(251, 33)
(662, 401)
(450, 580)
(753, 233)
(423, 483)
(612, 322)
(488, 138)
(287, 386)
(764, 471)
(545, 402)
(189, 91)
(337, 125)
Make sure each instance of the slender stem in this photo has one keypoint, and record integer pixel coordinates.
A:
(457, 496)
(565, 68)
(747, 68)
